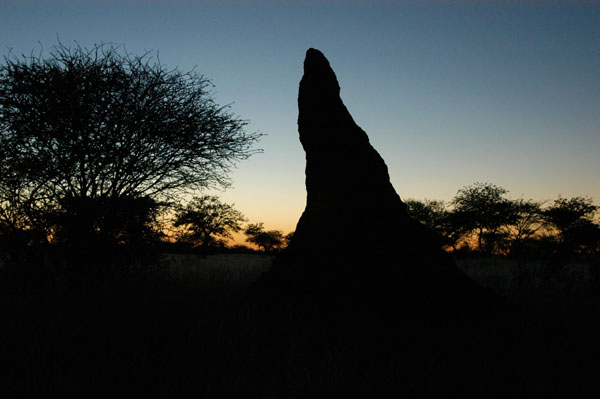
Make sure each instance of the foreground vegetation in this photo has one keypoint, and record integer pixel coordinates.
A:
(173, 328)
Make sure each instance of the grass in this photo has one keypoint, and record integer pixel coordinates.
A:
(551, 281)
(177, 330)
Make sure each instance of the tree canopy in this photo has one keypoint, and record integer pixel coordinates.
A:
(481, 217)
(444, 222)
(573, 219)
(267, 240)
(482, 207)
(102, 123)
(206, 221)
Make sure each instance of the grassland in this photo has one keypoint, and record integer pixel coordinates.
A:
(174, 330)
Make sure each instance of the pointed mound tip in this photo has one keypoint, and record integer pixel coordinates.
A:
(318, 75)
(315, 60)
(313, 52)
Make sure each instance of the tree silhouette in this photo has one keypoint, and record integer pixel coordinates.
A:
(93, 223)
(287, 239)
(429, 212)
(267, 240)
(573, 219)
(87, 126)
(435, 215)
(510, 226)
(14, 223)
(207, 221)
(482, 208)
(449, 227)
(526, 221)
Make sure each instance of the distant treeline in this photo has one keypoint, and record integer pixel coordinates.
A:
(481, 218)
(203, 224)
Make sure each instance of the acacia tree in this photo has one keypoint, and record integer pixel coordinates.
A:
(206, 221)
(267, 240)
(429, 212)
(287, 239)
(526, 221)
(574, 220)
(447, 226)
(85, 125)
(481, 208)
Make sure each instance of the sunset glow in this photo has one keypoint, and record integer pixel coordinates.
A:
(449, 95)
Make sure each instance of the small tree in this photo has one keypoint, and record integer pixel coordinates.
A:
(573, 219)
(455, 230)
(99, 125)
(435, 215)
(527, 221)
(206, 221)
(287, 239)
(267, 240)
(429, 212)
(483, 210)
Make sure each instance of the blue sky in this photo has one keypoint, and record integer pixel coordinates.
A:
(506, 92)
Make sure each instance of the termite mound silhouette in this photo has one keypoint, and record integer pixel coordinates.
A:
(355, 246)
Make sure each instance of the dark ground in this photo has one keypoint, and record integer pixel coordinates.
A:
(113, 333)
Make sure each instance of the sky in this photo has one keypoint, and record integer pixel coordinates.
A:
(450, 93)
